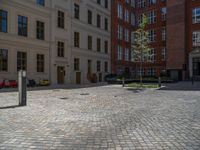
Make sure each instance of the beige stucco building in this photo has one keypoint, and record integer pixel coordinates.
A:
(22, 48)
(89, 22)
(46, 38)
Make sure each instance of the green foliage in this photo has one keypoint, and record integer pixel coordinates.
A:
(140, 48)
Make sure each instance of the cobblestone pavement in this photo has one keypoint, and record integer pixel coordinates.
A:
(107, 117)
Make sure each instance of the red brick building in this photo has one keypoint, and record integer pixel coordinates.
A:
(174, 32)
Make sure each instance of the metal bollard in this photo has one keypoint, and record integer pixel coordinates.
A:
(123, 82)
(22, 88)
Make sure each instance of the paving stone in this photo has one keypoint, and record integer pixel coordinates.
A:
(109, 117)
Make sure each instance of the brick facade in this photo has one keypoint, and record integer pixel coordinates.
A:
(179, 33)
(123, 65)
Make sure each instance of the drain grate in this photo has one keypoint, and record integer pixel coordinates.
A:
(64, 98)
(84, 94)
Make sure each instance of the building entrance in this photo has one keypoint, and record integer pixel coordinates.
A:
(196, 67)
(60, 75)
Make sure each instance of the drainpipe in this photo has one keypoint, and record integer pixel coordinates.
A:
(70, 59)
(50, 41)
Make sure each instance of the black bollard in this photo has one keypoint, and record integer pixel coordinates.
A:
(22, 88)
(123, 82)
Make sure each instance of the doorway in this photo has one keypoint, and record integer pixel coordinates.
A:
(78, 77)
(196, 67)
(60, 75)
(100, 77)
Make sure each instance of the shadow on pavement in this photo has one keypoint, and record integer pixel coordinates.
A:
(10, 107)
(56, 87)
(135, 90)
(182, 86)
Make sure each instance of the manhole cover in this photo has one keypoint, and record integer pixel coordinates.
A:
(84, 94)
(64, 98)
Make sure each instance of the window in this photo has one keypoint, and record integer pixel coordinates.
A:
(61, 49)
(106, 24)
(21, 61)
(106, 66)
(3, 21)
(119, 52)
(76, 39)
(141, 3)
(61, 19)
(106, 46)
(152, 35)
(76, 64)
(89, 42)
(89, 17)
(22, 25)
(126, 15)
(98, 45)
(151, 17)
(3, 60)
(139, 19)
(163, 54)
(196, 38)
(98, 21)
(40, 30)
(41, 2)
(99, 2)
(152, 55)
(196, 15)
(164, 13)
(89, 66)
(126, 35)
(133, 19)
(133, 56)
(140, 72)
(133, 3)
(120, 32)
(76, 11)
(152, 2)
(119, 11)
(106, 3)
(40, 63)
(98, 66)
(126, 54)
(151, 72)
(164, 34)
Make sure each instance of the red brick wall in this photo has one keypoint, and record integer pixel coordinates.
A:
(190, 28)
(176, 34)
(158, 45)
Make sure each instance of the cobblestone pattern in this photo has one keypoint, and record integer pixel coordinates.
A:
(110, 117)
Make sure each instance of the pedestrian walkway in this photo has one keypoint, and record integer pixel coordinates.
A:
(100, 118)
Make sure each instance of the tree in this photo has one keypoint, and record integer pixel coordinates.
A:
(140, 47)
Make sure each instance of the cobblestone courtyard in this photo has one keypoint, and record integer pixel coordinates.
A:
(107, 117)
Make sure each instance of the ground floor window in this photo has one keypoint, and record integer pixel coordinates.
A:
(151, 72)
(196, 38)
(106, 66)
(21, 61)
(89, 66)
(196, 66)
(76, 64)
(98, 66)
(40, 63)
(3, 60)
